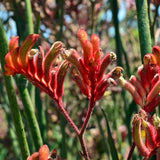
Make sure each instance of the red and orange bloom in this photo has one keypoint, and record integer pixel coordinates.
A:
(148, 144)
(45, 154)
(145, 90)
(89, 70)
(42, 70)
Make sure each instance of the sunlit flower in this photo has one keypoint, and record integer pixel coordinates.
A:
(145, 90)
(89, 70)
(149, 143)
(42, 70)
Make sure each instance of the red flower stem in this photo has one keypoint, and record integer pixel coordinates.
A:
(131, 151)
(67, 117)
(84, 148)
(89, 113)
(84, 126)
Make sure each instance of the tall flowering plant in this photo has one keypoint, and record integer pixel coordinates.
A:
(145, 91)
(48, 71)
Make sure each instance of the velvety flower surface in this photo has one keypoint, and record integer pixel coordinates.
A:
(89, 68)
(149, 144)
(41, 69)
(145, 89)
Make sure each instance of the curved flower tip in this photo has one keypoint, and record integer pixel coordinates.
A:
(156, 53)
(44, 153)
(83, 36)
(14, 43)
(150, 143)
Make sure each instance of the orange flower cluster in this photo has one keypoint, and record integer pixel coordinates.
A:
(42, 70)
(89, 70)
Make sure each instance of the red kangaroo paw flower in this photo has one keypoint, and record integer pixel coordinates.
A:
(38, 62)
(80, 82)
(156, 53)
(152, 105)
(41, 70)
(61, 73)
(13, 44)
(83, 36)
(31, 63)
(87, 53)
(105, 62)
(90, 68)
(137, 136)
(44, 153)
(139, 87)
(95, 40)
(25, 47)
(132, 89)
(50, 59)
(150, 125)
(154, 91)
(149, 59)
(150, 131)
(143, 77)
(34, 156)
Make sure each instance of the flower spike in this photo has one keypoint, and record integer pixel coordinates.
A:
(148, 86)
(89, 69)
(40, 69)
(149, 144)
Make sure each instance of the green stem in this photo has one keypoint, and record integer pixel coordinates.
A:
(41, 115)
(63, 143)
(63, 121)
(114, 7)
(29, 112)
(92, 25)
(143, 27)
(30, 28)
(14, 109)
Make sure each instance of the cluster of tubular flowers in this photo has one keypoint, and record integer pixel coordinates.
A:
(42, 70)
(149, 142)
(44, 154)
(145, 90)
(88, 71)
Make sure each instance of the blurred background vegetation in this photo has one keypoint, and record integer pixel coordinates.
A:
(115, 22)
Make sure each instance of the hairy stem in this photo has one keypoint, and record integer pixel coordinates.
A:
(67, 117)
